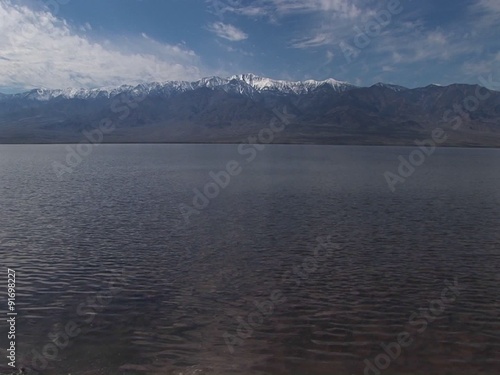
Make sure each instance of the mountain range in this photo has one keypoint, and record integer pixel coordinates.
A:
(229, 110)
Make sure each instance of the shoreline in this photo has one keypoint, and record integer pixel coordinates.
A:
(234, 143)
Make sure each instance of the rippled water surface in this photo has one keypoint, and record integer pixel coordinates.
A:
(239, 289)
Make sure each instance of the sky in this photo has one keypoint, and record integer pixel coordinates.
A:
(108, 43)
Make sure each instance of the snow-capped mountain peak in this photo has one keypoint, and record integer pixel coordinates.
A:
(246, 84)
(288, 87)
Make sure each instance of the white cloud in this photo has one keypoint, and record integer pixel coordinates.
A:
(407, 44)
(232, 49)
(486, 65)
(226, 31)
(329, 56)
(39, 50)
(343, 8)
(272, 8)
(317, 40)
(488, 11)
(86, 27)
(483, 32)
(331, 19)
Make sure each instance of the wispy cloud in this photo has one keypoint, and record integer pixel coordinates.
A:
(320, 39)
(482, 66)
(331, 19)
(342, 8)
(329, 57)
(273, 8)
(226, 31)
(408, 47)
(40, 50)
(487, 12)
(232, 49)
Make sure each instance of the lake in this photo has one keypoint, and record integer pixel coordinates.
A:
(209, 259)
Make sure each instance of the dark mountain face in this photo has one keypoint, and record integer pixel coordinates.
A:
(230, 110)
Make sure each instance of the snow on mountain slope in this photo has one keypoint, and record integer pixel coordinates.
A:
(288, 87)
(244, 84)
(391, 87)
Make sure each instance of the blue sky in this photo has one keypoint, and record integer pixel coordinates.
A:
(94, 43)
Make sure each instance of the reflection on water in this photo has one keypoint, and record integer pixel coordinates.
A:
(106, 253)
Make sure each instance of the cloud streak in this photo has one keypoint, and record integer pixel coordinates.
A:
(228, 32)
(487, 11)
(280, 8)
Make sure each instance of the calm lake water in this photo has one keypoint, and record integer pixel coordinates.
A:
(104, 253)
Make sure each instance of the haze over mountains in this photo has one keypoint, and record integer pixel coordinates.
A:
(231, 109)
